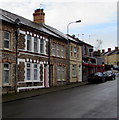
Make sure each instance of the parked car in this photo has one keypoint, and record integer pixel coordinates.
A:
(96, 77)
(116, 68)
(109, 75)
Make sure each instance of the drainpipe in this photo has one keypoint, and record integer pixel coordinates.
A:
(17, 22)
(49, 60)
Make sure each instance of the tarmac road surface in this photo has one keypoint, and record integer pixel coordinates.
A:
(89, 101)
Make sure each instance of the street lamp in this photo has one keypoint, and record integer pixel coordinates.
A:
(70, 24)
(68, 68)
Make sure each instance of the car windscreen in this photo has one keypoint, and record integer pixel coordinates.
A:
(98, 74)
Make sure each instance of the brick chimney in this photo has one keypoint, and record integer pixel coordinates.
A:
(39, 16)
(103, 50)
(116, 48)
(109, 49)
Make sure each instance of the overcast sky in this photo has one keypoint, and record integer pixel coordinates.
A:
(99, 17)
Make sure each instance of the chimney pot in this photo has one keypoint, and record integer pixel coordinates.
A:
(116, 48)
(109, 49)
(103, 50)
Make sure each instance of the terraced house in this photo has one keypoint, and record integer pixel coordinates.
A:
(35, 55)
(75, 59)
(58, 61)
(111, 57)
(29, 49)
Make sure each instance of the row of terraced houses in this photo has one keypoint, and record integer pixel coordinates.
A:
(35, 55)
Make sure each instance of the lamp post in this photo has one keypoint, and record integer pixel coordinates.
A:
(17, 23)
(70, 24)
(68, 68)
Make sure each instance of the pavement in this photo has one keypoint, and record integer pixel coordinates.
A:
(31, 93)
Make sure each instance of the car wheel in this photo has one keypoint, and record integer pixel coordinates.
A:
(103, 79)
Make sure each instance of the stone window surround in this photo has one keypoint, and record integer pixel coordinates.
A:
(8, 40)
(74, 70)
(8, 69)
(75, 53)
(55, 47)
(61, 71)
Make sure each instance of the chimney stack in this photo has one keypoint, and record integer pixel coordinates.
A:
(116, 48)
(39, 16)
(103, 50)
(109, 49)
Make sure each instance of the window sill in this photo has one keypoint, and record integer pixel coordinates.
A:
(61, 80)
(32, 81)
(74, 76)
(58, 80)
(36, 81)
(64, 80)
(8, 49)
(7, 85)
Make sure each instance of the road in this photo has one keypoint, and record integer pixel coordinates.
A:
(89, 101)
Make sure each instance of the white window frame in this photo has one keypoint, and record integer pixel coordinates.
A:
(6, 69)
(30, 72)
(36, 43)
(7, 40)
(34, 72)
(42, 45)
(30, 43)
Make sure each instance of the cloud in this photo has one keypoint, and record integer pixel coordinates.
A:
(90, 13)
(60, 13)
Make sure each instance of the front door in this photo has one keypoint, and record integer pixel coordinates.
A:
(79, 74)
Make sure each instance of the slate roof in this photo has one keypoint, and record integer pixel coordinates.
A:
(110, 53)
(77, 40)
(11, 17)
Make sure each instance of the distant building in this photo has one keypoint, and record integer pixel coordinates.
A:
(100, 61)
(111, 57)
(88, 61)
